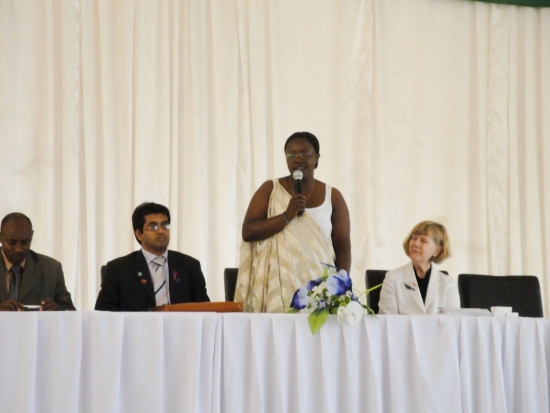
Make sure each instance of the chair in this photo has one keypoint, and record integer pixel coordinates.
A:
(103, 272)
(375, 277)
(521, 292)
(372, 278)
(230, 282)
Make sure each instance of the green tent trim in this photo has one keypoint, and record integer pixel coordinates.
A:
(527, 3)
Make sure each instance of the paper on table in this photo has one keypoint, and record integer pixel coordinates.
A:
(502, 311)
(465, 311)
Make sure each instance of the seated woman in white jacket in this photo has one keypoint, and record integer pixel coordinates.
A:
(420, 287)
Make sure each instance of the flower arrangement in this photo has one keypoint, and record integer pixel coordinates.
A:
(330, 294)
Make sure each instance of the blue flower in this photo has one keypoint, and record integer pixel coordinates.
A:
(321, 304)
(344, 276)
(313, 283)
(300, 299)
(336, 286)
(339, 283)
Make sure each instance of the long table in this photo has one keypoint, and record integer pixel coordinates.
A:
(206, 362)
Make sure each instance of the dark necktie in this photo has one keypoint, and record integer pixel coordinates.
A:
(15, 282)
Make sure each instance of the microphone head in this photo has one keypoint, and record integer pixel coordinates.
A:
(297, 174)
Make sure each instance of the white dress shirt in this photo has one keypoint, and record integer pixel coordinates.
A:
(149, 257)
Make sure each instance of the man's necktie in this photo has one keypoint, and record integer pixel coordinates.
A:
(159, 282)
(15, 282)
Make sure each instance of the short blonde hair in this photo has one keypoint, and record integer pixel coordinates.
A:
(438, 233)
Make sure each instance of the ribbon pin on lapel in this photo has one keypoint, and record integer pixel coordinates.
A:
(175, 276)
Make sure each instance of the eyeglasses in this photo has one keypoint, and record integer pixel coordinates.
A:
(292, 156)
(155, 227)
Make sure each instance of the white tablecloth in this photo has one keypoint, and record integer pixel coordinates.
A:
(108, 362)
(189, 362)
(504, 364)
(385, 364)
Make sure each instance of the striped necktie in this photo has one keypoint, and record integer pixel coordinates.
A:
(15, 282)
(159, 282)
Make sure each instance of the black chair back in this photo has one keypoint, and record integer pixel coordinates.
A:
(372, 278)
(230, 282)
(521, 292)
(375, 277)
(103, 272)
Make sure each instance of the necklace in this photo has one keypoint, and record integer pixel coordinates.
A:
(310, 192)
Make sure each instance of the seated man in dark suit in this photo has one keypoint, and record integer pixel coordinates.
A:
(153, 276)
(28, 278)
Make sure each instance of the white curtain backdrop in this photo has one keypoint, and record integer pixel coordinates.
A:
(425, 109)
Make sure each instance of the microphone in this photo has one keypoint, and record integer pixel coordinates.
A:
(298, 175)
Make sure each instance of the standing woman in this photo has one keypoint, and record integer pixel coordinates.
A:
(287, 234)
(419, 287)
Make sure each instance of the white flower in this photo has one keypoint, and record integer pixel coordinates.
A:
(319, 292)
(341, 313)
(353, 313)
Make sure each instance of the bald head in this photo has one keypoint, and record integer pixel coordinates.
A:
(15, 216)
(16, 237)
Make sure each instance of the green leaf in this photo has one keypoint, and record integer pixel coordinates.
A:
(317, 319)
(373, 288)
(292, 311)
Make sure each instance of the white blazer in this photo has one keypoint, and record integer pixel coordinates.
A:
(400, 293)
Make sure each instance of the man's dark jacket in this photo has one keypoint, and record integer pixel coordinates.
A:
(128, 284)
